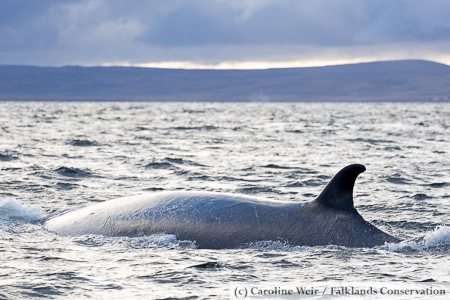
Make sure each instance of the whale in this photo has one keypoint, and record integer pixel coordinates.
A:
(227, 221)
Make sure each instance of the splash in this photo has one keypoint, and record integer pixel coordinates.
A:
(437, 239)
(10, 208)
(440, 236)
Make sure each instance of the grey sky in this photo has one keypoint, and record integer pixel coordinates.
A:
(210, 32)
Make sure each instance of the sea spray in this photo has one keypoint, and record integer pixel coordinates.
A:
(10, 208)
(440, 236)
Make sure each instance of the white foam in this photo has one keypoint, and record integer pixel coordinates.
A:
(274, 245)
(10, 208)
(161, 240)
(440, 236)
(404, 246)
(437, 238)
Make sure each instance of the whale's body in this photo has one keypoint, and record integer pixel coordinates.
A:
(218, 220)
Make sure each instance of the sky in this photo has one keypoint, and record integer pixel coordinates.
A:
(222, 34)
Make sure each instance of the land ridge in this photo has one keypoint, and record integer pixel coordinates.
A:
(386, 81)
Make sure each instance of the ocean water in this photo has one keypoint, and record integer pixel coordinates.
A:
(56, 157)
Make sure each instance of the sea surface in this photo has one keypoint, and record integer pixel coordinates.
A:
(57, 156)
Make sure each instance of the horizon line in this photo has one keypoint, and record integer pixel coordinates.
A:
(255, 65)
(246, 65)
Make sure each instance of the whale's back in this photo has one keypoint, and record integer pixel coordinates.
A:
(195, 216)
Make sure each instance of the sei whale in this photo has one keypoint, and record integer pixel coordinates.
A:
(220, 220)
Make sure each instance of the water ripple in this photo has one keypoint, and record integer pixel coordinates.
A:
(53, 159)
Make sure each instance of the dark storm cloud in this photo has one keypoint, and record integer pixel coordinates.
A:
(92, 30)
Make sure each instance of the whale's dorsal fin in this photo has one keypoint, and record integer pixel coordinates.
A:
(338, 193)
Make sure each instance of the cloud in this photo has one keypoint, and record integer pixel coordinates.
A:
(92, 24)
(273, 22)
(98, 32)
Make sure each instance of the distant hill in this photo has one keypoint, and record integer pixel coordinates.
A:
(407, 80)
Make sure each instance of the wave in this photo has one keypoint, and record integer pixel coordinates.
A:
(171, 163)
(421, 196)
(206, 128)
(159, 165)
(64, 186)
(438, 184)
(73, 172)
(8, 156)
(82, 143)
(273, 166)
(10, 208)
(397, 180)
(370, 141)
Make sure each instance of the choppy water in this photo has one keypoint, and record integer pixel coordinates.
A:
(56, 156)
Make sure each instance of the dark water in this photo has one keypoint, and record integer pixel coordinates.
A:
(56, 156)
